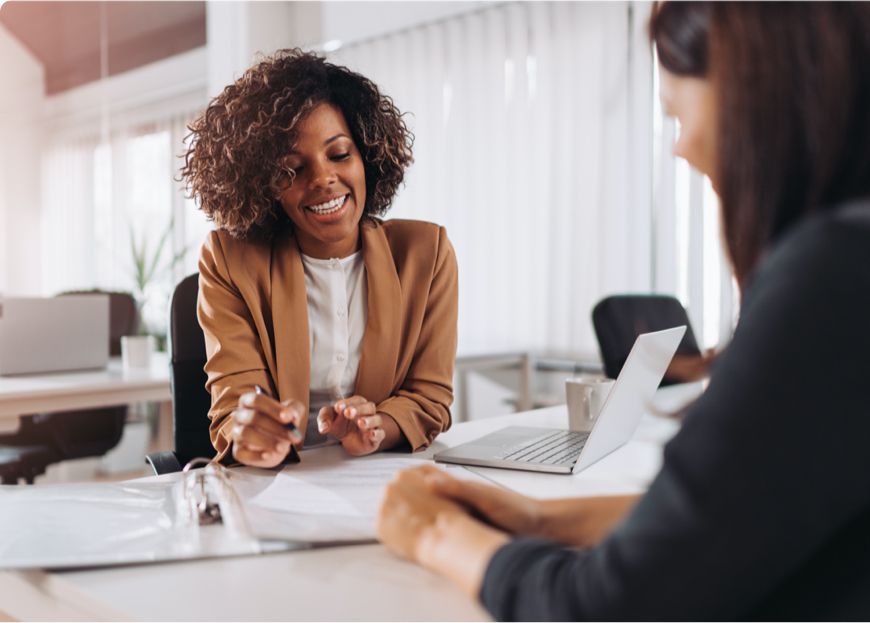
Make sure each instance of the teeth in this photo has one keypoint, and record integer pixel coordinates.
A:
(329, 206)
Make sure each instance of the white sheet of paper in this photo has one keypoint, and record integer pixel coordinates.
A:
(328, 497)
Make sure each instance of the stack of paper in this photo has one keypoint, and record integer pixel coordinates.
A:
(328, 498)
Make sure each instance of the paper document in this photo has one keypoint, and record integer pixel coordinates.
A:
(329, 497)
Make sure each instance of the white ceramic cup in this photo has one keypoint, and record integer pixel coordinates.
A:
(136, 351)
(585, 396)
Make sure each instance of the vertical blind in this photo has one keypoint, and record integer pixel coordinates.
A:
(520, 113)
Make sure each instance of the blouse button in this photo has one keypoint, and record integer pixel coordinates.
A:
(340, 356)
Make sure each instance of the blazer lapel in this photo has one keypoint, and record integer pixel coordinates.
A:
(379, 358)
(289, 306)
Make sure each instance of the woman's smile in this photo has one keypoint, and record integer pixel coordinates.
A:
(327, 194)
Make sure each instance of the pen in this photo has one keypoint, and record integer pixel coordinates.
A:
(259, 390)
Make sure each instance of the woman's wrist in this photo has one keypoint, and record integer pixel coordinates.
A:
(392, 432)
(459, 547)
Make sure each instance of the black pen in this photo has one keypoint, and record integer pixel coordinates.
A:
(293, 455)
(290, 425)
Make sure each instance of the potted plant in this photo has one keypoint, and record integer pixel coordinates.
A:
(149, 289)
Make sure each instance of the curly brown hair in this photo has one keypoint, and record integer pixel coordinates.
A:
(233, 162)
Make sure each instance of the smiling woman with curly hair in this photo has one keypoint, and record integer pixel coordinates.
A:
(312, 307)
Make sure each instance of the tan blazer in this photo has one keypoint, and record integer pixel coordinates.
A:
(254, 312)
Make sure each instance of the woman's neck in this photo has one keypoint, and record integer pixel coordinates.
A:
(324, 250)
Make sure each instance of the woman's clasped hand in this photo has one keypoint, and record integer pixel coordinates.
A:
(356, 423)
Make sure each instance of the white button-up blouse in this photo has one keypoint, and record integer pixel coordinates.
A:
(337, 310)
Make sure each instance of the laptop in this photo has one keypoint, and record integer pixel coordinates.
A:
(67, 332)
(563, 451)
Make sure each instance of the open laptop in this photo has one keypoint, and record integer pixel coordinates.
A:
(52, 334)
(564, 452)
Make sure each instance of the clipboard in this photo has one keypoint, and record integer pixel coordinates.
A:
(197, 515)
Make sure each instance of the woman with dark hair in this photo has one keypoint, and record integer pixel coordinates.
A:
(312, 307)
(762, 506)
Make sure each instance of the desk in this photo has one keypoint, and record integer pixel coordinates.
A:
(65, 391)
(370, 583)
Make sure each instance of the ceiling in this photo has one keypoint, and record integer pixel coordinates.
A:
(65, 36)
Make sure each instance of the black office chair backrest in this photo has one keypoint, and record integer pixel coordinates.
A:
(190, 400)
(619, 319)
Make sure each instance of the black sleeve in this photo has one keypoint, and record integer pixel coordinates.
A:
(769, 465)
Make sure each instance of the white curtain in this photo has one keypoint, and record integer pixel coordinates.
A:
(521, 116)
(105, 199)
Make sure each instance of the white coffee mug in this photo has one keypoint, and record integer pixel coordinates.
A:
(585, 396)
(136, 351)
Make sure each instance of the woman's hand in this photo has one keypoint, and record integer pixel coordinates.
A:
(417, 524)
(409, 509)
(260, 435)
(356, 423)
(575, 521)
(689, 368)
(503, 509)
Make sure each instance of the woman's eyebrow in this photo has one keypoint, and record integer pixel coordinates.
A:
(337, 136)
(293, 151)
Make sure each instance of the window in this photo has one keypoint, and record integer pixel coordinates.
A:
(114, 217)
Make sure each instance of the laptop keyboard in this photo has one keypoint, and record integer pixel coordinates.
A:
(560, 447)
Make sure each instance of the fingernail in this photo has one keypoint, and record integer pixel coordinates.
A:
(340, 406)
(243, 416)
(266, 455)
(237, 430)
(287, 415)
(353, 413)
(321, 427)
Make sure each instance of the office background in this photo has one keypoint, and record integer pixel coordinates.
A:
(540, 145)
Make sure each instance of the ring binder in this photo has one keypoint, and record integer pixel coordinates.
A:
(206, 497)
(196, 514)
(208, 511)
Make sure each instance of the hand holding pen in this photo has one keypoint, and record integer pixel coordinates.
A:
(264, 430)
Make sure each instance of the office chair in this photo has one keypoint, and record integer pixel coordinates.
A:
(46, 438)
(190, 400)
(619, 319)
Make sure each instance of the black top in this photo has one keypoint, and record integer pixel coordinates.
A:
(762, 507)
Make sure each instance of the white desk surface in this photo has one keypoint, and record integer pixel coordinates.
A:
(349, 583)
(40, 393)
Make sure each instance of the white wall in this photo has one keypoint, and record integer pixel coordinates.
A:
(237, 31)
(21, 104)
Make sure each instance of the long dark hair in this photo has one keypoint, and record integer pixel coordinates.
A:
(793, 86)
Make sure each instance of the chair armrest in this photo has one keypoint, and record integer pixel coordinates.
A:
(163, 462)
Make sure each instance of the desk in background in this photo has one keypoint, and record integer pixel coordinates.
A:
(342, 583)
(526, 369)
(66, 391)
